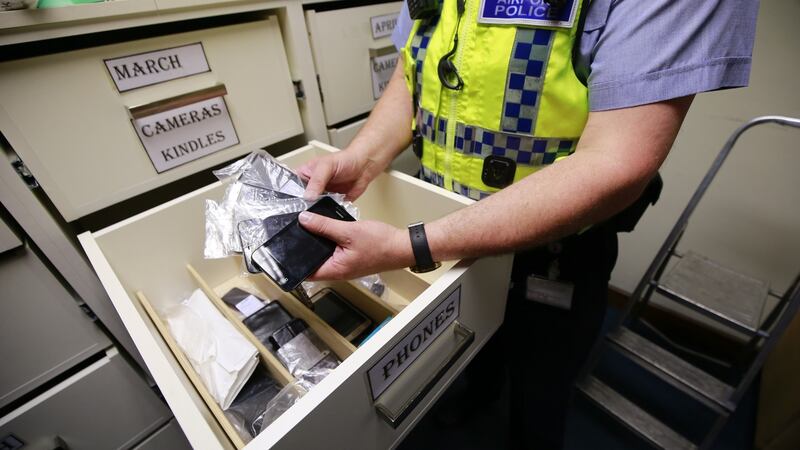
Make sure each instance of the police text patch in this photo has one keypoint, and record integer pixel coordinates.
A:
(528, 12)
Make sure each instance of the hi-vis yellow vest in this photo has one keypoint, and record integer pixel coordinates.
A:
(521, 98)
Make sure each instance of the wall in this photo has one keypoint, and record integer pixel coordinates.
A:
(750, 218)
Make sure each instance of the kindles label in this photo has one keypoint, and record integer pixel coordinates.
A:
(382, 70)
(383, 26)
(144, 69)
(528, 12)
(178, 136)
(402, 355)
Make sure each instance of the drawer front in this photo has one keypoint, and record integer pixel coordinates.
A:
(341, 137)
(482, 284)
(65, 118)
(115, 409)
(8, 239)
(406, 162)
(50, 333)
(342, 404)
(170, 437)
(341, 41)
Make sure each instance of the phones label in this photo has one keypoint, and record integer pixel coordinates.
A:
(401, 356)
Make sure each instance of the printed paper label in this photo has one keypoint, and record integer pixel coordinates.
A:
(144, 69)
(178, 136)
(402, 355)
(384, 25)
(382, 70)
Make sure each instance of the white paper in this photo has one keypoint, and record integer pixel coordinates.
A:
(144, 69)
(178, 136)
(382, 68)
(222, 357)
(249, 305)
(384, 25)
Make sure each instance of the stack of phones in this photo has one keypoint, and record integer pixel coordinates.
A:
(290, 339)
(288, 254)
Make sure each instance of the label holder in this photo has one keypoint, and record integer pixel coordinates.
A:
(166, 104)
(395, 416)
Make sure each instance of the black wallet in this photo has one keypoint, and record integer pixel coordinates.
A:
(264, 322)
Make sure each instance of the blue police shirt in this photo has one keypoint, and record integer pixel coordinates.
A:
(638, 52)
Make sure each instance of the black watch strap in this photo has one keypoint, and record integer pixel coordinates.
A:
(422, 253)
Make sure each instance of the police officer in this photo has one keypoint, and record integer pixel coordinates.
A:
(556, 115)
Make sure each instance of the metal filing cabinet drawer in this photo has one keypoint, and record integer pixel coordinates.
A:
(83, 148)
(44, 331)
(342, 43)
(8, 239)
(406, 162)
(345, 410)
(104, 406)
(170, 437)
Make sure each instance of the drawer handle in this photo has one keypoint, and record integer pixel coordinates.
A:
(395, 416)
(159, 106)
(383, 51)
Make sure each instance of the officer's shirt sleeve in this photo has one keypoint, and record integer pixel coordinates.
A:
(403, 28)
(639, 52)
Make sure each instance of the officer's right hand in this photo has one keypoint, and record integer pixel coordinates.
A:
(347, 172)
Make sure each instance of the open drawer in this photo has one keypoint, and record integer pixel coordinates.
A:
(374, 397)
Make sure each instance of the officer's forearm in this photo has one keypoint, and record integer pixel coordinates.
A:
(388, 129)
(619, 152)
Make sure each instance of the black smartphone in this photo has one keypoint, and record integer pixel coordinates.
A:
(340, 314)
(254, 232)
(293, 254)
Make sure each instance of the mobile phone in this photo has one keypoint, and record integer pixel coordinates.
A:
(340, 314)
(293, 253)
(254, 232)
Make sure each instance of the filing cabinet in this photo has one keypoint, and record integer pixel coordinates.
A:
(8, 239)
(169, 437)
(406, 162)
(344, 44)
(44, 331)
(82, 145)
(73, 130)
(350, 408)
(105, 405)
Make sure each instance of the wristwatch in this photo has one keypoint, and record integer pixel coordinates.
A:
(422, 253)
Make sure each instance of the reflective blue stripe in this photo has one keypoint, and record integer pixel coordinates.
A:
(524, 149)
(437, 179)
(529, 56)
(419, 46)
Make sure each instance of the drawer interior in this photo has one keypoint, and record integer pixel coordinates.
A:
(158, 256)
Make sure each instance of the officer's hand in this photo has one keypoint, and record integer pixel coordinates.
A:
(347, 172)
(363, 247)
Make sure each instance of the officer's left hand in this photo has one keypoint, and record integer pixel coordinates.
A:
(362, 248)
